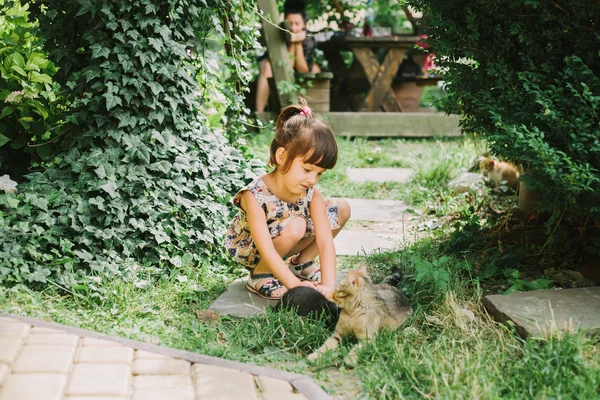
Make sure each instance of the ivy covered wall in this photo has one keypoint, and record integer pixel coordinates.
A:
(142, 183)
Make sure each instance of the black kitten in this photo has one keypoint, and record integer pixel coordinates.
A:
(308, 302)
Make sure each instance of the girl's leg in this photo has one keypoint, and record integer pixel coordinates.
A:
(262, 85)
(307, 248)
(287, 239)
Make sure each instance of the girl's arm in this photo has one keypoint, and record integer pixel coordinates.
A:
(324, 240)
(262, 239)
(301, 65)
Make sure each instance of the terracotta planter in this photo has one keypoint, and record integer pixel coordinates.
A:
(408, 95)
(528, 198)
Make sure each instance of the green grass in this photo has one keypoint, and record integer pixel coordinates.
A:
(434, 162)
(449, 349)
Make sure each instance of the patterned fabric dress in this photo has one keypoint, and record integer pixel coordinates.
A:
(238, 240)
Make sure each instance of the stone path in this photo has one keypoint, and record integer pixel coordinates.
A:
(379, 174)
(46, 361)
(539, 312)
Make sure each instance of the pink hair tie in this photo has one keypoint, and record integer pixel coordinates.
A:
(306, 111)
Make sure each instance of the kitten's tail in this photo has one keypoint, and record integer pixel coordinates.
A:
(395, 278)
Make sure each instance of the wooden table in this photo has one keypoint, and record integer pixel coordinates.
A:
(379, 76)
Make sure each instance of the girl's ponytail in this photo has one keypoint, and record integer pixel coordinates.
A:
(287, 113)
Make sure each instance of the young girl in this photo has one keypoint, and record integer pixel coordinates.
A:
(283, 216)
(301, 48)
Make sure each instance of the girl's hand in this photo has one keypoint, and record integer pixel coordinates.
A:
(308, 284)
(298, 37)
(326, 291)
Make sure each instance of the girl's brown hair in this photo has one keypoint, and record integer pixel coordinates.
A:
(303, 134)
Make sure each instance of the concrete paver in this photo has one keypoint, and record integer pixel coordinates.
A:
(100, 380)
(379, 174)
(44, 358)
(4, 372)
(9, 348)
(161, 367)
(376, 210)
(88, 367)
(162, 382)
(41, 329)
(539, 312)
(14, 329)
(223, 385)
(142, 355)
(52, 338)
(105, 354)
(91, 341)
(160, 394)
(361, 243)
(237, 300)
(34, 387)
(96, 398)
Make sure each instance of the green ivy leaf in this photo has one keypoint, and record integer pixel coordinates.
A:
(99, 51)
(111, 188)
(112, 100)
(156, 43)
(3, 140)
(87, 7)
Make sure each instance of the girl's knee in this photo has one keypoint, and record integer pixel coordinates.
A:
(344, 211)
(295, 229)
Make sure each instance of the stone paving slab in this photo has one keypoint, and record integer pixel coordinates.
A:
(237, 300)
(361, 175)
(538, 312)
(101, 367)
(376, 210)
(362, 243)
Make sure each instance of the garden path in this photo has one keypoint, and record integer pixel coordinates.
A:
(40, 360)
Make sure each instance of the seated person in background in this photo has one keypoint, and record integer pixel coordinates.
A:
(301, 49)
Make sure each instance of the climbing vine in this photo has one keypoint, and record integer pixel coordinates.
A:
(143, 182)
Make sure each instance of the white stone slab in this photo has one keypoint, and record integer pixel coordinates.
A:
(379, 174)
(540, 312)
(361, 243)
(376, 210)
(237, 300)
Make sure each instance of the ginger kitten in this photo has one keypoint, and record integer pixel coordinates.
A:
(499, 171)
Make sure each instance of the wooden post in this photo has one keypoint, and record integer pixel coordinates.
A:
(278, 54)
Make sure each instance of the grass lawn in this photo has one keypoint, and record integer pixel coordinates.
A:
(449, 349)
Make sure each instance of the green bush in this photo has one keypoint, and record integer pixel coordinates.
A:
(31, 111)
(143, 183)
(526, 76)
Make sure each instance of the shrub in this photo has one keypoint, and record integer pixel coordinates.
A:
(143, 184)
(525, 75)
(31, 110)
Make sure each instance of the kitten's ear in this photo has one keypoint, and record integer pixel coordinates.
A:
(352, 278)
(362, 269)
